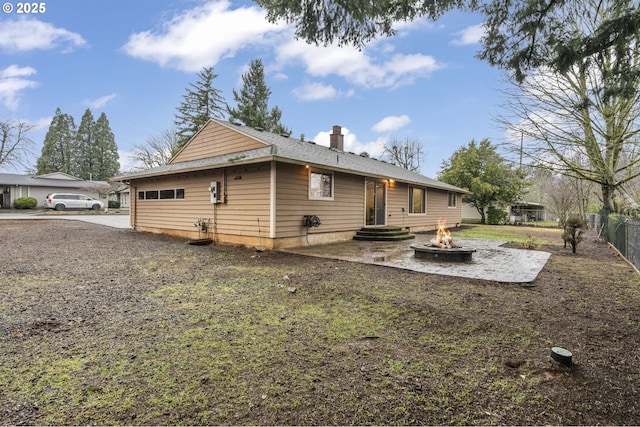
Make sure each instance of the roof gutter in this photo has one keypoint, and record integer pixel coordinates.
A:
(272, 157)
(368, 175)
(150, 174)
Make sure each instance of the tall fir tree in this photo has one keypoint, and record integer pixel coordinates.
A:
(105, 151)
(58, 149)
(201, 102)
(253, 102)
(85, 142)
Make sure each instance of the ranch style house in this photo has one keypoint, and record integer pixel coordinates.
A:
(243, 185)
(14, 186)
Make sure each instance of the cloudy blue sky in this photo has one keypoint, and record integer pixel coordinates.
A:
(133, 60)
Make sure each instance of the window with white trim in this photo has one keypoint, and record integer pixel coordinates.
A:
(321, 185)
(417, 200)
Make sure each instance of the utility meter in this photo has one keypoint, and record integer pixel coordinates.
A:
(213, 189)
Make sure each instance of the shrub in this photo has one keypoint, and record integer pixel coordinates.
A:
(573, 230)
(496, 216)
(25, 203)
(529, 243)
(633, 212)
(114, 204)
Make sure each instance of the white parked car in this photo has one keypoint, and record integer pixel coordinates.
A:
(62, 201)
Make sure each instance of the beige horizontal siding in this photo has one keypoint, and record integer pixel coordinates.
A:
(245, 213)
(344, 213)
(215, 140)
(436, 208)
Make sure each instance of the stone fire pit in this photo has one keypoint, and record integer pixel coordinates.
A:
(436, 253)
(441, 248)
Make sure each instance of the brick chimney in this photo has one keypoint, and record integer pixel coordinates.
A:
(336, 139)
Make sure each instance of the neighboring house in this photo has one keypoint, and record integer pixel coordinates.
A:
(120, 193)
(14, 186)
(527, 212)
(470, 214)
(258, 189)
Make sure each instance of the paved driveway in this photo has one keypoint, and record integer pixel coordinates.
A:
(110, 220)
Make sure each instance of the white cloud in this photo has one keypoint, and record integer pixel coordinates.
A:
(205, 34)
(13, 80)
(99, 102)
(470, 35)
(15, 71)
(28, 34)
(201, 36)
(391, 123)
(43, 123)
(404, 27)
(356, 66)
(280, 76)
(351, 143)
(315, 91)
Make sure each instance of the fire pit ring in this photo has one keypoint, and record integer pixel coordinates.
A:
(442, 248)
(436, 253)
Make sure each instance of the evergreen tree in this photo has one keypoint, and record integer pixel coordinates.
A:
(85, 147)
(276, 126)
(252, 102)
(105, 151)
(480, 169)
(201, 102)
(521, 36)
(58, 148)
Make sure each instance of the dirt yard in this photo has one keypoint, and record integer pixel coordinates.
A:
(110, 326)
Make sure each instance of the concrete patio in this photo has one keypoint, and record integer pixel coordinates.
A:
(490, 261)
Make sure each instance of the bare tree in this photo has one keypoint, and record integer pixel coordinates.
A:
(577, 123)
(15, 145)
(407, 154)
(561, 200)
(158, 150)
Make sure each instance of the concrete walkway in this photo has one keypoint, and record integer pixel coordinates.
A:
(110, 220)
(490, 261)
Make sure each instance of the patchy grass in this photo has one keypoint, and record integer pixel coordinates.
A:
(509, 233)
(144, 329)
(548, 224)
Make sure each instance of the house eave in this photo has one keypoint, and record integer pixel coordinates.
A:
(368, 175)
(152, 174)
(128, 178)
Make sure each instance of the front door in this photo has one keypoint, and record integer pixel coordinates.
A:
(375, 203)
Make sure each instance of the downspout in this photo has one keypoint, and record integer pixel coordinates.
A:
(272, 201)
(224, 185)
(133, 205)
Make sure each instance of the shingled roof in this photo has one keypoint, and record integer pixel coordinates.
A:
(283, 148)
(46, 181)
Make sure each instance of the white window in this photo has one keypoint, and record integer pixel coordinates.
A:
(321, 185)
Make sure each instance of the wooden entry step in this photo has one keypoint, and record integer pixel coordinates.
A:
(383, 234)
